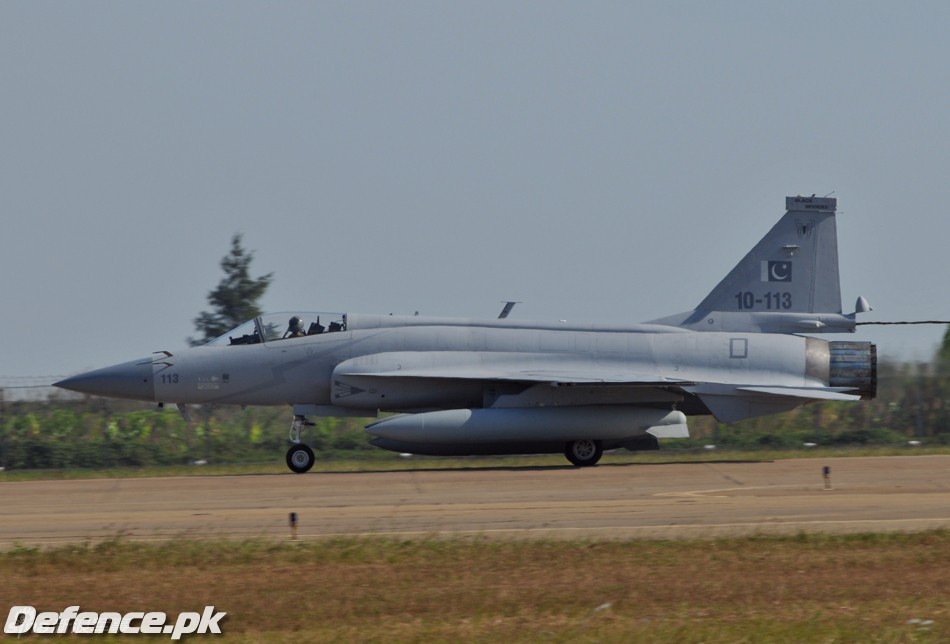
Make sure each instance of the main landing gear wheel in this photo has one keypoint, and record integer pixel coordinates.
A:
(300, 458)
(584, 453)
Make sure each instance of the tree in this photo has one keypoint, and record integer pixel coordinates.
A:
(235, 299)
(943, 354)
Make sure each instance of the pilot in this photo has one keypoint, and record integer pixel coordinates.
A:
(295, 328)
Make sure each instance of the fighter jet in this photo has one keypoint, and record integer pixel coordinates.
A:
(504, 386)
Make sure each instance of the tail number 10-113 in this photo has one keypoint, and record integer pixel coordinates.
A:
(770, 301)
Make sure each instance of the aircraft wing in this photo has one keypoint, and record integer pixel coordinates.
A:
(617, 381)
(505, 367)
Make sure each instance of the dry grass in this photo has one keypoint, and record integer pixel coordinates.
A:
(805, 588)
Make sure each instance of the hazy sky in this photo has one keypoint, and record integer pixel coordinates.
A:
(600, 161)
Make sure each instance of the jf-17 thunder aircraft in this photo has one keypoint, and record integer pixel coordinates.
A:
(500, 386)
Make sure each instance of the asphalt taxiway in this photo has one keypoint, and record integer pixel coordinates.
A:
(726, 498)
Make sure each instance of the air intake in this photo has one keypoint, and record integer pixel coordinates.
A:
(854, 365)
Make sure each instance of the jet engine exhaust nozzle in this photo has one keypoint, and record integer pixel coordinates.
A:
(854, 365)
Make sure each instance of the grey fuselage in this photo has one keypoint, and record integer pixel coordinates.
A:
(461, 363)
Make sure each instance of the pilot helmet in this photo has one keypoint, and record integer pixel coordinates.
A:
(296, 323)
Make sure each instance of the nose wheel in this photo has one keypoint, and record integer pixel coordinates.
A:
(300, 458)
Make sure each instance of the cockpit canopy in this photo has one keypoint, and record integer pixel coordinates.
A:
(273, 327)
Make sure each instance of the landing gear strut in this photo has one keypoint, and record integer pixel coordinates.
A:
(300, 458)
(584, 452)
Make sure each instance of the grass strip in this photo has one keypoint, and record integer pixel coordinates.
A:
(868, 587)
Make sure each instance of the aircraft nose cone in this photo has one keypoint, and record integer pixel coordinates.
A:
(126, 380)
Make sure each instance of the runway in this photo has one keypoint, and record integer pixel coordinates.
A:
(672, 500)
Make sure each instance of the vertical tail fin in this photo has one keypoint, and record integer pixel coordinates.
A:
(793, 268)
(788, 283)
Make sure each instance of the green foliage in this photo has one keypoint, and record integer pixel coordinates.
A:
(106, 434)
(235, 299)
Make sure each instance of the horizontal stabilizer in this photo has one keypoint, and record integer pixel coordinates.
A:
(808, 393)
(741, 403)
